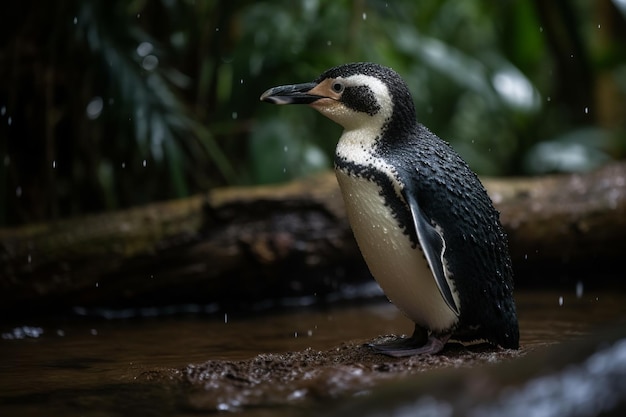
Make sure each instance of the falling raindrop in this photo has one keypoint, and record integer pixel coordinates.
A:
(18, 191)
(123, 164)
(586, 110)
(54, 164)
(9, 121)
(579, 289)
(75, 20)
(329, 43)
(3, 110)
(144, 163)
(561, 301)
(225, 318)
(234, 115)
(138, 15)
(94, 108)
(94, 332)
(285, 148)
(60, 333)
(364, 16)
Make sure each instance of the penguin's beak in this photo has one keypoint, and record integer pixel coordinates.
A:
(291, 94)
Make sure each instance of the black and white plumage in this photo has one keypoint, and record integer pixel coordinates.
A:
(422, 219)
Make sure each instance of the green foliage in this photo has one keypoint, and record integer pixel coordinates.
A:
(109, 104)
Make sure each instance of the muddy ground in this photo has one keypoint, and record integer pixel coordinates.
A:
(298, 378)
(584, 377)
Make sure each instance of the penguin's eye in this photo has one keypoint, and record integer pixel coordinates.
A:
(337, 87)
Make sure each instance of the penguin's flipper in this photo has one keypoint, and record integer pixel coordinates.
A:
(433, 245)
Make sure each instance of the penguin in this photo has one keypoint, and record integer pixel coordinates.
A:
(422, 219)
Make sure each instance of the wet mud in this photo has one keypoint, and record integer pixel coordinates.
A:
(584, 377)
(310, 376)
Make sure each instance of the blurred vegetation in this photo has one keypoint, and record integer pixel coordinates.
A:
(105, 105)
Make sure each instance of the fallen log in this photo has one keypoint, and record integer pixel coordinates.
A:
(565, 225)
(246, 244)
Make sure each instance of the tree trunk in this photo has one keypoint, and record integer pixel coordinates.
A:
(240, 245)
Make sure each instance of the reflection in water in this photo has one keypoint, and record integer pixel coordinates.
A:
(46, 360)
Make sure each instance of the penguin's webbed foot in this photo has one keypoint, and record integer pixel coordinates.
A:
(420, 343)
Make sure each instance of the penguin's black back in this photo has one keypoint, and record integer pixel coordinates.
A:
(450, 194)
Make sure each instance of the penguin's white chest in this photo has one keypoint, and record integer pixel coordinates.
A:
(400, 269)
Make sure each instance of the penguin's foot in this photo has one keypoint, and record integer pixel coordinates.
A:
(420, 343)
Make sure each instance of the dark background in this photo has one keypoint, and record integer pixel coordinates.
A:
(110, 104)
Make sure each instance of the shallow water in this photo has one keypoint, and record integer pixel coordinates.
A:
(81, 366)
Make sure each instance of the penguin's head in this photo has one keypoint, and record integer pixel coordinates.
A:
(353, 95)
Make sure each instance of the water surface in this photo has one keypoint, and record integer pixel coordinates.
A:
(80, 366)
